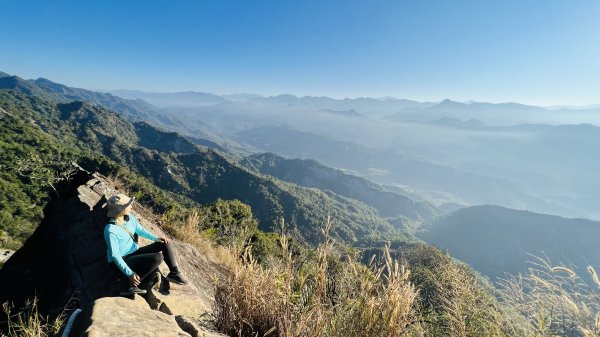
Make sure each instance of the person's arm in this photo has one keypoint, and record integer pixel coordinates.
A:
(142, 231)
(115, 255)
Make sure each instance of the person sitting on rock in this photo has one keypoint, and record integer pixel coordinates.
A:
(138, 264)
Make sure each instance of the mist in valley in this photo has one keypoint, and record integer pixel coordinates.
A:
(453, 154)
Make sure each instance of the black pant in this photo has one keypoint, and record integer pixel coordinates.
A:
(146, 260)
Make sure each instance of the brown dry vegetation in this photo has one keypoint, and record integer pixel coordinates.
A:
(187, 230)
(325, 296)
(27, 322)
(552, 301)
(327, 292)
(427, 294)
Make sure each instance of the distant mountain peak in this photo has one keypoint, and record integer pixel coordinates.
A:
(286, 96)
(43, 80)
(448, 101)
(46, 83)
(29, 88)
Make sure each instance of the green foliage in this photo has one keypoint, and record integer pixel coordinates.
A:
(227, 221)
(265, 246)
(30, 163)
(453, 300)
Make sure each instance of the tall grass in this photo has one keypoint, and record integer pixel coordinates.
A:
(328, 295)
(187, 229)
(553, 301)
(29, 323)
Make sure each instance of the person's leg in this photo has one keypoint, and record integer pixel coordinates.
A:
(121, 281)
(165, 248)
(151, 280)
(143, 264)
(169, 257)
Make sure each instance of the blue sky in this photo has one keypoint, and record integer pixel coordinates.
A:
(539, 52)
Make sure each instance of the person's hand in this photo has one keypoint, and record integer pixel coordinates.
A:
(162, 239)
(134, 280)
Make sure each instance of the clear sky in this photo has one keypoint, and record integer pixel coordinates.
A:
(539, 52)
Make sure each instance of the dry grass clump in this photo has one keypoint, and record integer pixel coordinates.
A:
(553, 301)
(29, 323)
(187, 229)
(322, 296)
(249, 303)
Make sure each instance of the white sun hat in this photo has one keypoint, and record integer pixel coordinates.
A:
(117, 204)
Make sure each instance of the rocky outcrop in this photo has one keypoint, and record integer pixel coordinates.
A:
(64, 260)
(63, 264)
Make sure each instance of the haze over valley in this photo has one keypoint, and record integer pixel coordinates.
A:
(513, 155)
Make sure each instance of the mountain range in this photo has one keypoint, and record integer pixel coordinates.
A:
(178, 165)
(451, 162)
(449, 152)
(389, 108)
(324, 162)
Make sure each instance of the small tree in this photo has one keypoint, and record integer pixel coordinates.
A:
(228, 221)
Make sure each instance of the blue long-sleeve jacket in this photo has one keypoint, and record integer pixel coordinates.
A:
(119, 243)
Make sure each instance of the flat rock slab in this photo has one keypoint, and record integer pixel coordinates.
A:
(69, 246)
(180, 302)
(118, 316)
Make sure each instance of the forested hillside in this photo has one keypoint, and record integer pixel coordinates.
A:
(178, 165)
(396, 205)
(36, 154)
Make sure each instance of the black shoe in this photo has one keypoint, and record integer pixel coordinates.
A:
(176, 278)
(132, 291)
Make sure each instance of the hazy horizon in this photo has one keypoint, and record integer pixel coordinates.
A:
(224, 94)
(532, 52)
